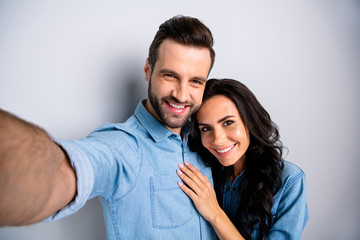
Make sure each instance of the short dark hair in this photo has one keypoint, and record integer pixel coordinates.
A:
(184, 30)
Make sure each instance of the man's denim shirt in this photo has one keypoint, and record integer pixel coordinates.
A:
(289, 210)
(132, 166)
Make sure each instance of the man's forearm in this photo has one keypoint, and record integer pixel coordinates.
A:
(36, 178)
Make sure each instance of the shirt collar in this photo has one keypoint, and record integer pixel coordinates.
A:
(154, 127)
(235, 184)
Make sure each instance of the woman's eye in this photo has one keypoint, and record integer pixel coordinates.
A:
(204, 129)
(227, 123)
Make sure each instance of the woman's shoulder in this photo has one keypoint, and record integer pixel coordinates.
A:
(289, 204)
(292, 186)
(291, 173)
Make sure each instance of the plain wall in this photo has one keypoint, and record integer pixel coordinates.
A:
(70, 66)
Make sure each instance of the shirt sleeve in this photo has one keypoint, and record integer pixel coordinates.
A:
(292, 212)
(84, 174)
(107, 163)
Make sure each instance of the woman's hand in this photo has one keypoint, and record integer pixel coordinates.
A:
(199, 189)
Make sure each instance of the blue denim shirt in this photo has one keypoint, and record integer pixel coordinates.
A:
(132, 166)
(289, 209)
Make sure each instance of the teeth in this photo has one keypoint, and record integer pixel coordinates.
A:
(225, 150)
(176, 106)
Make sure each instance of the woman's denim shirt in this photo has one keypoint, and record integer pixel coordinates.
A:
(132, 168)
(290, 212)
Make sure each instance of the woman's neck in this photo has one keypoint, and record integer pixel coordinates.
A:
(238, 167)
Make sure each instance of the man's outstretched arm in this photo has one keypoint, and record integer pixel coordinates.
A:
(36, 178)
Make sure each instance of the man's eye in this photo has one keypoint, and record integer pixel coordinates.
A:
(169, 75)
(196, 81)
(227, 123)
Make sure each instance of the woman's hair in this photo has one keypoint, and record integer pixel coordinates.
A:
(263, 162)
(188, 31)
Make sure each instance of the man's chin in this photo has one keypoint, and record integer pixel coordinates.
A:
(175, 124)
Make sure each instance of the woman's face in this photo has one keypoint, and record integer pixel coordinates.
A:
(223, 132)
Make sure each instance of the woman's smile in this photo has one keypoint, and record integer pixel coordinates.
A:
(222, 130)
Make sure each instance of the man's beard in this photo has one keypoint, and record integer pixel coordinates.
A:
(168, 119)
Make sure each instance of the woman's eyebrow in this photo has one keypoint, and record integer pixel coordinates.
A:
(224, 118)
(220, 120)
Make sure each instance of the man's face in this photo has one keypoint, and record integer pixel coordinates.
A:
(177, 82)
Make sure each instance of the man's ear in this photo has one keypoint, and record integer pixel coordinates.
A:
(147, 70)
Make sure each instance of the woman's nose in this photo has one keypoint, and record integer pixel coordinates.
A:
(219, 137)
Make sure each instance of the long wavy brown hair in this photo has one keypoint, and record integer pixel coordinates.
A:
(263, 164)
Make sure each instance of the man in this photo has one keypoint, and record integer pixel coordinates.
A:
(130, 166)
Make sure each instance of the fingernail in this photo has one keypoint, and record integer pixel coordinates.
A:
(186, 163)
(180, 165)
(180, 184)
(179, 172)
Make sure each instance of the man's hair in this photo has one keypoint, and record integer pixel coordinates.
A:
(185, 30)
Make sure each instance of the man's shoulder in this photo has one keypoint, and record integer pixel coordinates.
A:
(131, 127)
(126, 135)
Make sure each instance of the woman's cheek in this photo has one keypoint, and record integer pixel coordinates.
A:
(205, 141)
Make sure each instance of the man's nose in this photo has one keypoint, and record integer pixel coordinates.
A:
(181, 92)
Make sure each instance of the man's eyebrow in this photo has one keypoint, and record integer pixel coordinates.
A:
(165, 70)
(219, 121)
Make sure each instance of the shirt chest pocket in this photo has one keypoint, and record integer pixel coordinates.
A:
(170, 207)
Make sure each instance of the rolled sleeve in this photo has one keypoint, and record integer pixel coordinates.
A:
(84, 175)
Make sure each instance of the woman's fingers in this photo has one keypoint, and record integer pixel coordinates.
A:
(199, 189)
(198, 174)
(187, 191)
(189, 180)
(193, 178)
(193, 173)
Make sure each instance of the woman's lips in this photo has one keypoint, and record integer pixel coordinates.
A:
(224, 152)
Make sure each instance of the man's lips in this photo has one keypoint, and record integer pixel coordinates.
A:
(177, 108)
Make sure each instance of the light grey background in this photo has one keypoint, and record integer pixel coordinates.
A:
(70, 66)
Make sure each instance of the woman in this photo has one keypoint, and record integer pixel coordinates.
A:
(261, 195)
